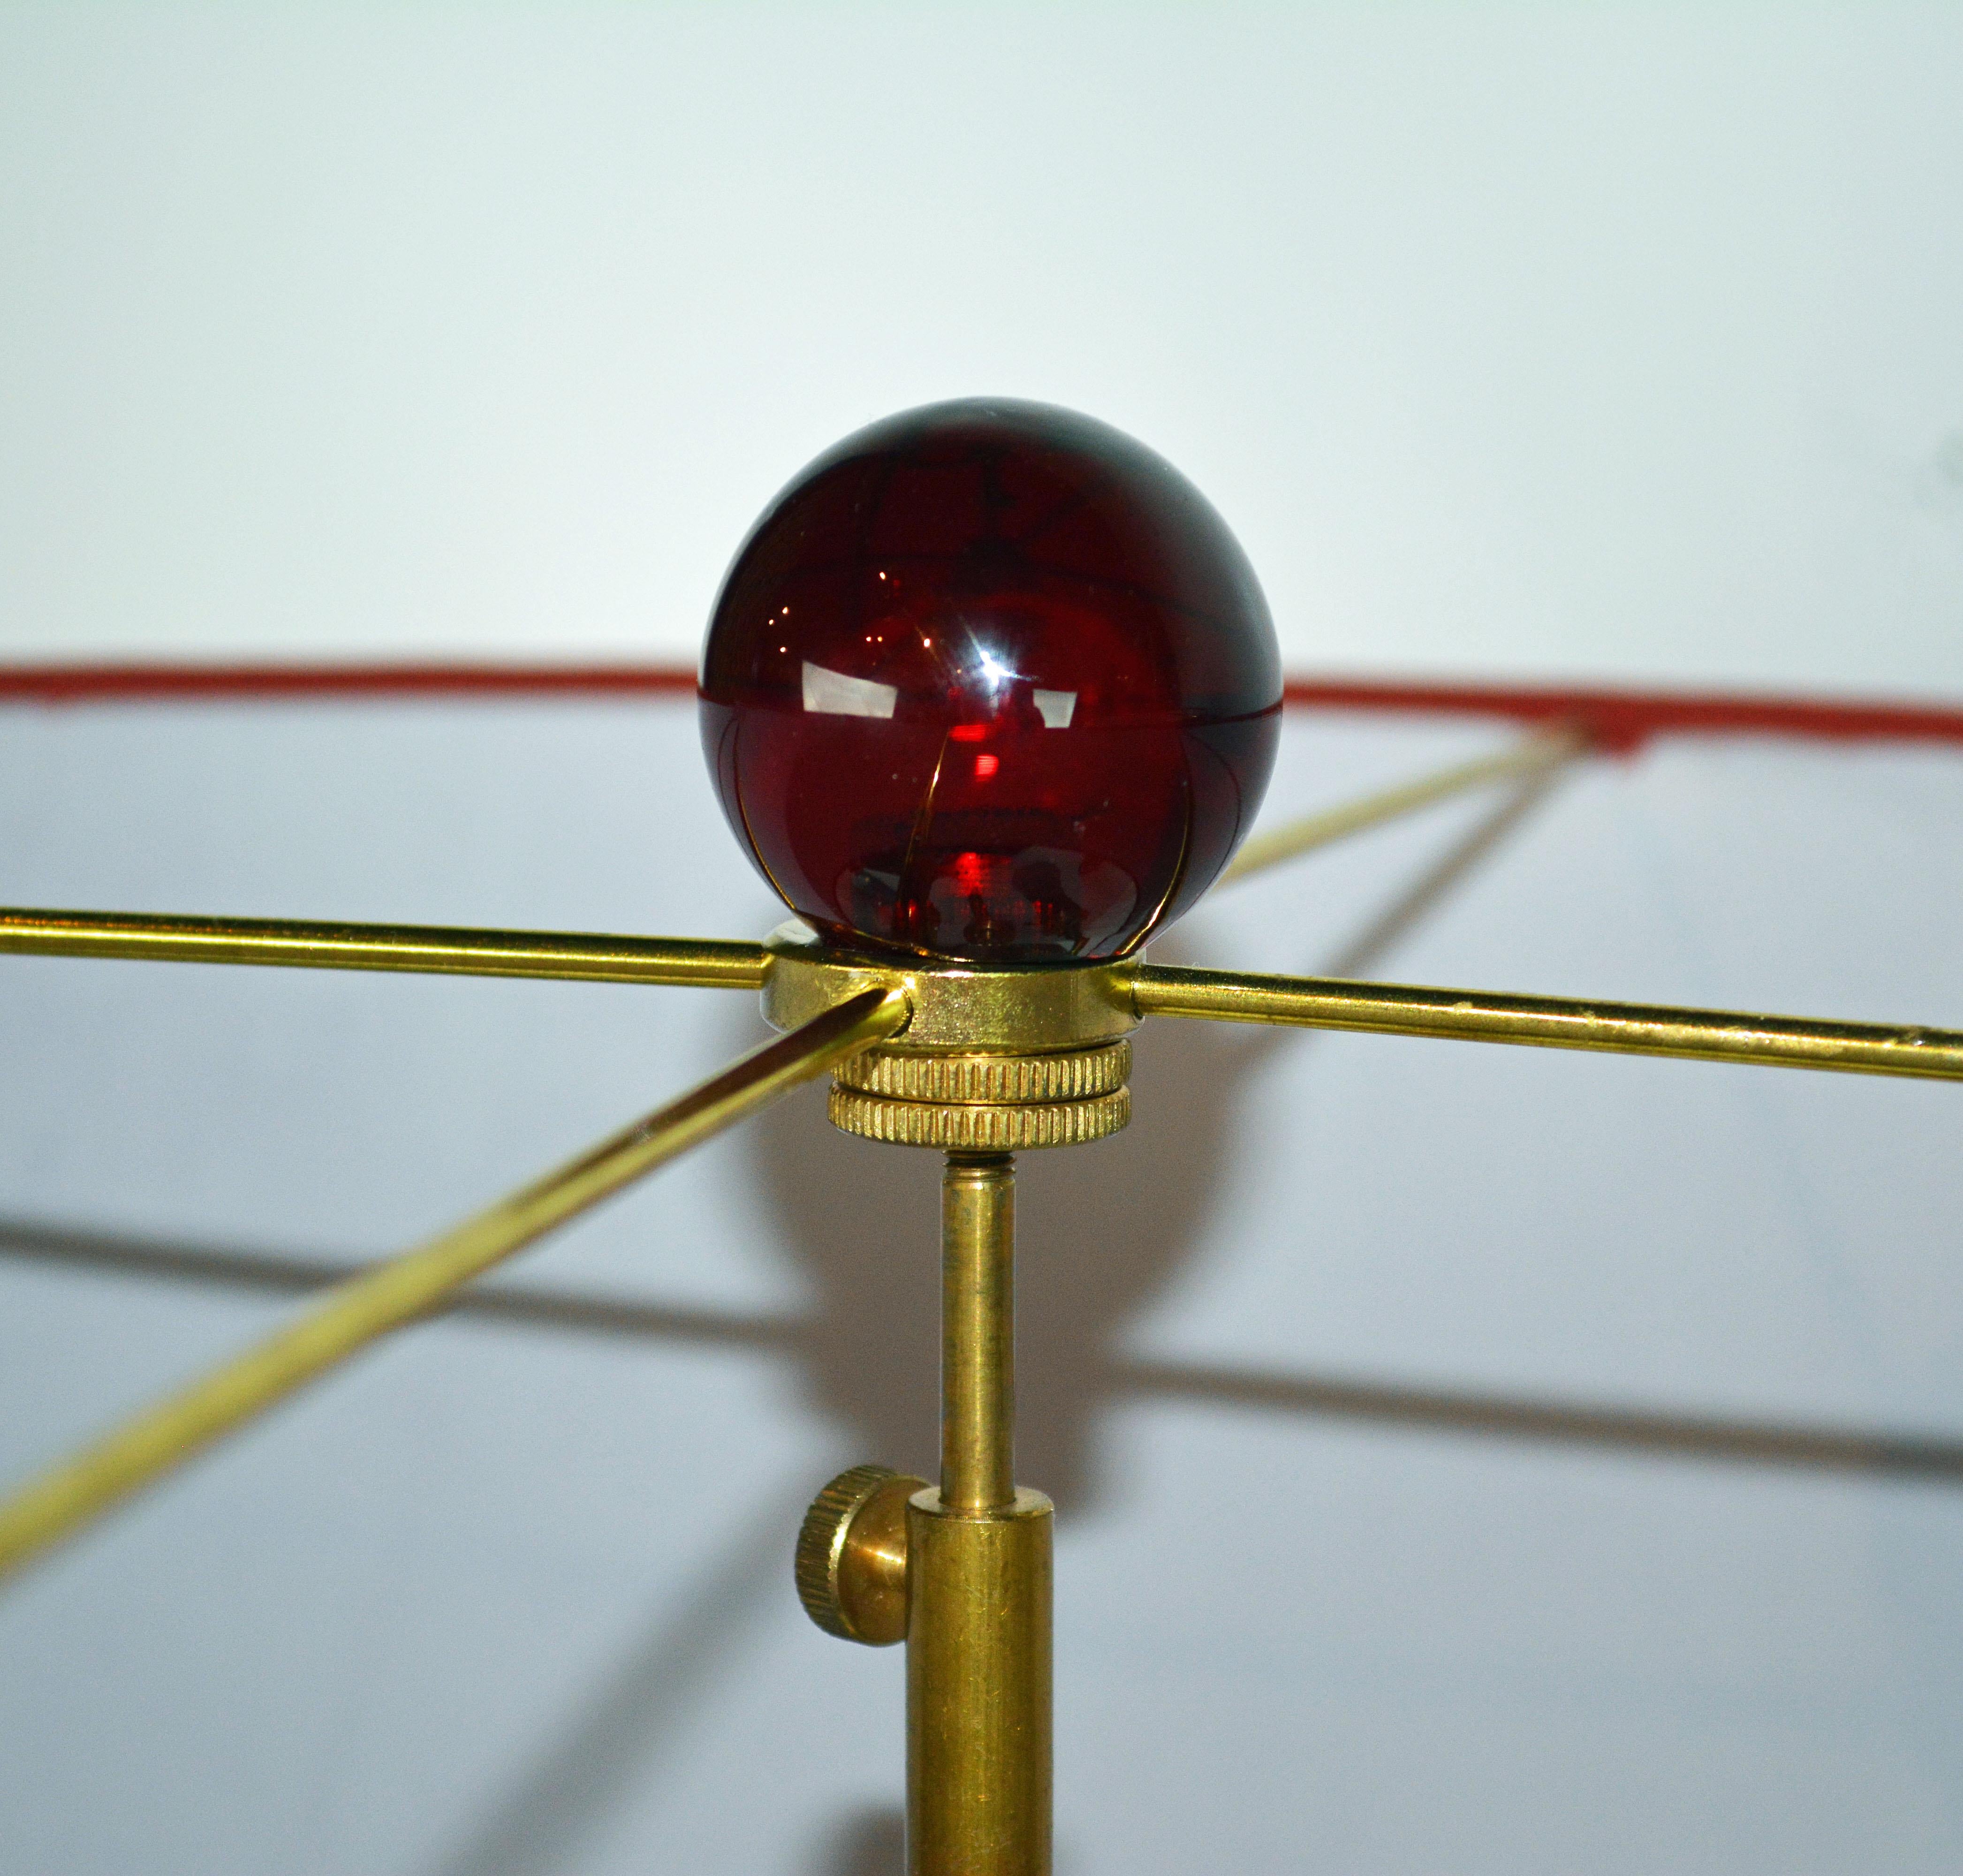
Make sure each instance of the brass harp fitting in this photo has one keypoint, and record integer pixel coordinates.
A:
(990, 1061)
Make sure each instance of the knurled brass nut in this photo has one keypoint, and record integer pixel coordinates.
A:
(983, 1076)
(984, 1100)
(979, 1127)
(851, 1561)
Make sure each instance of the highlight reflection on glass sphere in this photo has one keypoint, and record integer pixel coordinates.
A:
(990, 681)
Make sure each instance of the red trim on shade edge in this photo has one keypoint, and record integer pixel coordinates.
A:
(1622, 721)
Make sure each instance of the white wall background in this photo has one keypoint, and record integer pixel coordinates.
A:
(1606, 341)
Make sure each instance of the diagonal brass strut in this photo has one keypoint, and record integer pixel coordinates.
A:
(353, 1314)
(1531, 756)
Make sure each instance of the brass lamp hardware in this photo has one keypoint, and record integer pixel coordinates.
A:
(958, 1009)
(443, 950)
(1071, 1075)
(985, 1104)
(851, 1557)
(991, 1061)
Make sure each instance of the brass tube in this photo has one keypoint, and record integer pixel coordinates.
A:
(978, 1747)
(353, 1314)
(978, 1331)
(713, 963)
(1549, 1022)
(978, 1571)
(1529, 756)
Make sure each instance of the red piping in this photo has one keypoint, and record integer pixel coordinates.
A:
(1625, 720)
(1620, 720)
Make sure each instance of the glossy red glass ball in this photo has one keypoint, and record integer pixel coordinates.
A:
(990, 681)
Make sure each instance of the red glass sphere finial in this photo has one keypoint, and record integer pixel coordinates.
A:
(990, 681)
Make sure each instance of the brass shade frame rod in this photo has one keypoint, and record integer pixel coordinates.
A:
(353, 1314)
(1622, 1029)
(1531, 756)
(713, 963)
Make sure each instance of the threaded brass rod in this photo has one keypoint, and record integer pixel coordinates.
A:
(353, 1314)
(978, 1362)
(1326, 1003)
(713, 963)
(1529, 756)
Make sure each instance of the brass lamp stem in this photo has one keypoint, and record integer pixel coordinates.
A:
(978, 1697)
(978, 1360)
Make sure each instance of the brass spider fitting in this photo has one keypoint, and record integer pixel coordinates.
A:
(995, 1061)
